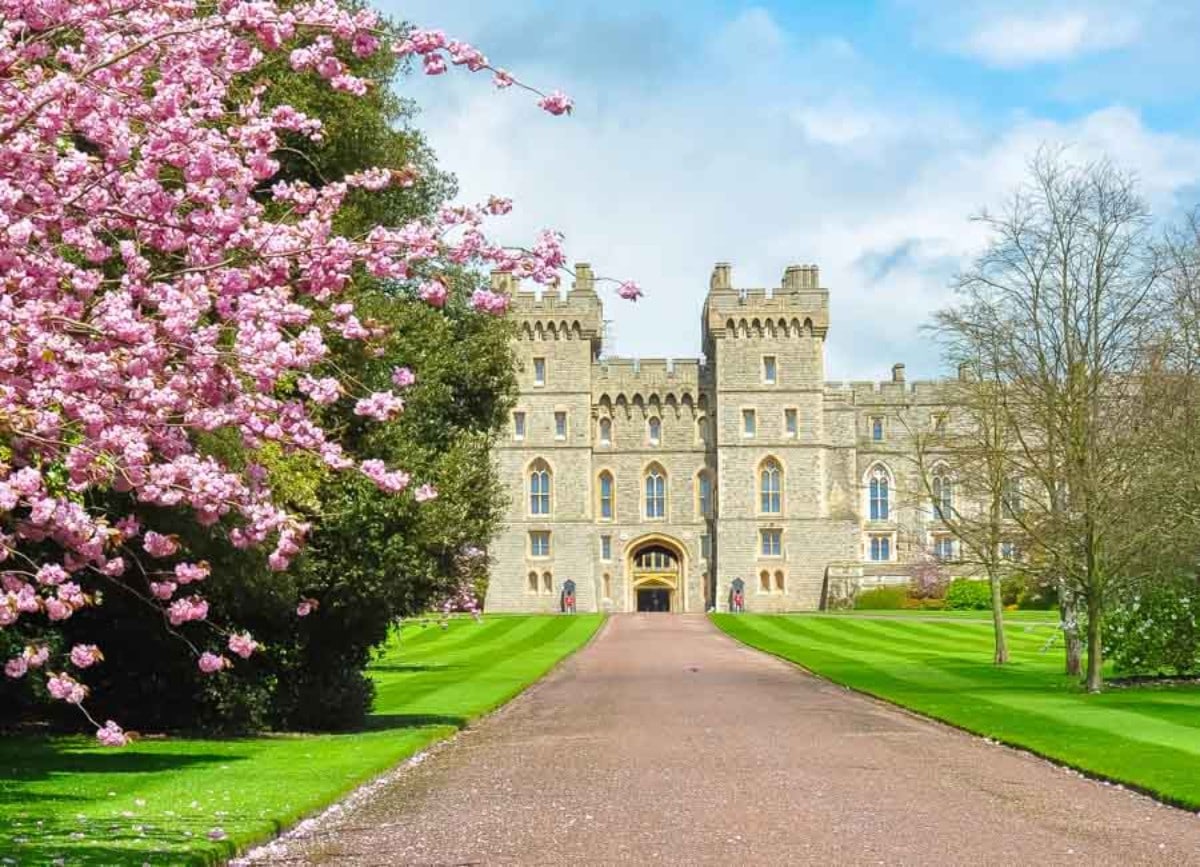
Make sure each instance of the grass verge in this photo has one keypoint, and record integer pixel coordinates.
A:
(162, 801)
(1146, 737)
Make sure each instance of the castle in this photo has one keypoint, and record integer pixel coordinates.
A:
(659, 485)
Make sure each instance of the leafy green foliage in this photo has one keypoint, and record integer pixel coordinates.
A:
(882, 598)
(1157, 629)
(965, 594)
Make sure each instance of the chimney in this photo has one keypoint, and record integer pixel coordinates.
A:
(584, 280)
(504, 282)
(897, 373)
(964, 371)
(722, 277)
(802, 277)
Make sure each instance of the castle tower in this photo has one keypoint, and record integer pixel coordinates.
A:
(545, 455)
(775, 447)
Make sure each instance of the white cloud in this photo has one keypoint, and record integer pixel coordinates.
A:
(1018, 41)
(812, 157)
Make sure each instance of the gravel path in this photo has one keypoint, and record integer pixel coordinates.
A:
(666, 742)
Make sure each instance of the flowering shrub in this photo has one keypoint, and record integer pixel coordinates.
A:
(160, 287)
(965, 594)
(1156, 630)
(928, 579)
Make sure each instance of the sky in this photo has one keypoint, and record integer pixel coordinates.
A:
(861, 137)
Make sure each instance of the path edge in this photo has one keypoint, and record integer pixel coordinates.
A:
(265, 851)
(1111, 782)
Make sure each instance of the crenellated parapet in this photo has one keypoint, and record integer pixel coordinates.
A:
(797, 308)
(648, 383)
(573, 313)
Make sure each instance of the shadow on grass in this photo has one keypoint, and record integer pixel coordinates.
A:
(405, 668)
(34, 758)
(378, 721)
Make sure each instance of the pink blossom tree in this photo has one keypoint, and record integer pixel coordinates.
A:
(154, 293)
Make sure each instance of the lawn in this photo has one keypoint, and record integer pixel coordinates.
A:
(1148, 737)
(160, 801)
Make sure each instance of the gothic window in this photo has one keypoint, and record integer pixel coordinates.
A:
(790, 423)
(607, 586)
(560, 425)
(702, 430)
(547, 582)
(780, 582)
(764, 581)
(539, 371)
(704, 495)
(877, 428)
(539, 488)
(770, 485)
(533, 582)
(943, 547)
(881, 548)
(656, 492)
(606, 496)
(654, 430)
(943, 495)
(606, 431)
(878, 494)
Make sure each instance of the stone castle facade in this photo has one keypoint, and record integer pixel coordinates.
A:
(656, 484)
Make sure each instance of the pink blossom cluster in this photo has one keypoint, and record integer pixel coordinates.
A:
(150, 295)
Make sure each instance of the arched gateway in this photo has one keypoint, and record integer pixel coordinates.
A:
(656, 569)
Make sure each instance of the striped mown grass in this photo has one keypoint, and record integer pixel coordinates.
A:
(158, 800)
(1147, 737)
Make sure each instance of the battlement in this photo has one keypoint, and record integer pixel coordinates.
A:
(650, 378)
(547, 313)
(797, 307)
(874, 393)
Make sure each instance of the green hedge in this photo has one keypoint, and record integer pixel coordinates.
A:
(965, 594)
(882, 597)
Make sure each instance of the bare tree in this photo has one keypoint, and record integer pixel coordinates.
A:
(1057, 313)
(963, 463)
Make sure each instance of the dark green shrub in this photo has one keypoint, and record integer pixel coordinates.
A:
(965, 594)
(1038, 596)
(924, 604)
(881, 598)
(1157, 629)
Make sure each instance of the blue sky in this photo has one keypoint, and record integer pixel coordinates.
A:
(858, 136)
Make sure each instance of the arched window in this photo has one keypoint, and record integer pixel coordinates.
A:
(943, 495)
(547, 582)
(654, 430)
(656, 492)
(607, 586)
(539, 488)
(606, 496)
(606, 431)
(764, 581)
(878, 494)
(770, 487)
(533, 582)
(779, 580)
(704, 494)
(702, 430)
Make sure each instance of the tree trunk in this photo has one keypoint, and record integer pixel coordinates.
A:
(1070, 627)
(1001, 656)
(1095, 650)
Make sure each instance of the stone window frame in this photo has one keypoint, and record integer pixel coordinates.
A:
(605, 471)
(653, 424)
(603, 422)
(539, 465)
(547, 582)
(701, 430)
(943, 547)
(753, 419)
(649, 469)
(869, 486)
(703, 474)
(887, 536)
(529, 552)
(561, 412)
(773, 379)
(606, 556)
(883, 428)
(606, 586)
(941, 491)
(539, 367)
(762, 538)
(760, 492)
(533, 582)
(519, 419)
(705, 547)
(780, 581)
(794, 411)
